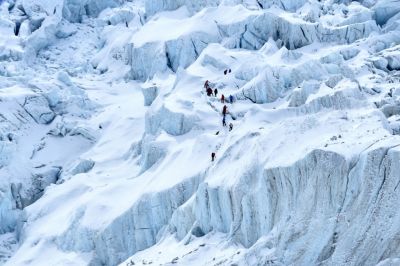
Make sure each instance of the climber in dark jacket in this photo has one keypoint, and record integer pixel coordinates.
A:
(230, 126)
(225, 71)
(224, 109)
(209, 91)
(215, 92)
(223, 121)
(390, 93)
(212, 157)
(206, 85)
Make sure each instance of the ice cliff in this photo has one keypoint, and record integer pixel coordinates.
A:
(106, 132)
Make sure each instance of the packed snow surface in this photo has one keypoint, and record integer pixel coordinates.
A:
(107, 131)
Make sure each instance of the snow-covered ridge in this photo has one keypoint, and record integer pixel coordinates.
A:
(106, 132)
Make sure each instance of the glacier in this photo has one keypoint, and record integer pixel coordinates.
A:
(107, 131)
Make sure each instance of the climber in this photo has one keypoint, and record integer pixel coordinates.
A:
(215, 92)
(126, 24)
(209, 91)
(225, 72)
(390, 93)
(229, 71)
(230, 98)
(223, 121)
(206, 85)
(224, 110)
(222, 98)
(212, 157)
(230, 126)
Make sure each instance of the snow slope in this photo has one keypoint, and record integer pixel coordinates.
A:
(106, 132)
